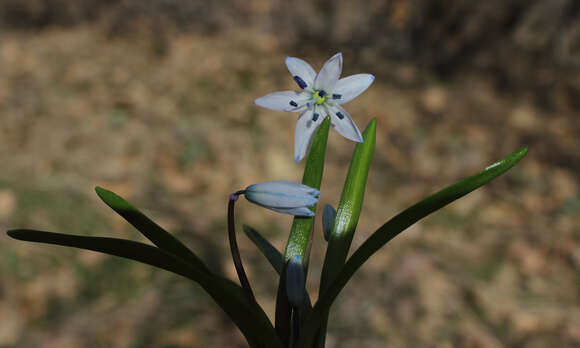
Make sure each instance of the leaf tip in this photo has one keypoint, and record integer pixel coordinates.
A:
(247, 229)
(101, 191)
(16, 234)
(517, 155)
(112, 199)
(370, 131)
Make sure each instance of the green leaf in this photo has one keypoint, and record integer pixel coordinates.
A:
(272, 254)
(395, 226)
(229, 296)
(347, 214)
(300, 236)
(349, 207)
(113, 246)
(157, 235)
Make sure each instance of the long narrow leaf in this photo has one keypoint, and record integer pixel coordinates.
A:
(272, 254)
(157, 235)
(227, 295)
(395, 226)
(347, 214)
(349, 207)
(113, 246)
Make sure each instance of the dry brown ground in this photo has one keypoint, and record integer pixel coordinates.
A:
(175, 134)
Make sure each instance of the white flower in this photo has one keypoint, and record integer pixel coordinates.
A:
(320, 96)
(283, 196)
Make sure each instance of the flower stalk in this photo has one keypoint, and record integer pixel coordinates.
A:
(234, 247)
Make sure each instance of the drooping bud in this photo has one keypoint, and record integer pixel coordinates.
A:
(283, 196)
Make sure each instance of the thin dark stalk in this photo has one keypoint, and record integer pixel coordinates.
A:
(234, 246)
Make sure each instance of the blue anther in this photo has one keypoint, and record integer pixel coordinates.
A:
(321, 93)
(340, 115)
(336, 96)
(293, 103)
(315, 117)
(300, 82)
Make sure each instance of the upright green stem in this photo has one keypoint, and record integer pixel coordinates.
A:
(301, 227)
(299, 238)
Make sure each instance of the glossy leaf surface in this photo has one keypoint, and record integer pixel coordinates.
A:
(395, 226)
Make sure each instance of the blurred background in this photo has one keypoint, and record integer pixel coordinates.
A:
(153, 100)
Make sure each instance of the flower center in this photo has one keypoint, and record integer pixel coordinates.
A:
(319, 96)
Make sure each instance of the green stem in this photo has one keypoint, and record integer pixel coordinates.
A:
(300, 237)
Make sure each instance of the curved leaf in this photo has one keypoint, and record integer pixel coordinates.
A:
(113, 246)
(395, 226)
(229, 296)
(157, 235)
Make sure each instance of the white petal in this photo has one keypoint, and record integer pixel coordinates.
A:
(301, 71)
(302, 211)
(307, 124)
(343, 123)
(289, 101)
(348, 88)
(278, 200)
(329, 74)
(285, 186)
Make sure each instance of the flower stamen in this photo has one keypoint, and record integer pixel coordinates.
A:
(300, 82)
(319, 97)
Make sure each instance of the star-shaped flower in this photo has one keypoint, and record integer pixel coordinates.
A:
(320, 96)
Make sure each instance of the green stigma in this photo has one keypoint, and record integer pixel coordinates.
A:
(319, 99)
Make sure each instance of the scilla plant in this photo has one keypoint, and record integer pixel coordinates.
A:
(298, 322)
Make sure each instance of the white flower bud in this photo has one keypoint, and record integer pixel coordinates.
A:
(283, 196)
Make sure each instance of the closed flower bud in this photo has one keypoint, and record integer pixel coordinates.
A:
(295, 282)
(284, 197)
(328, 216)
